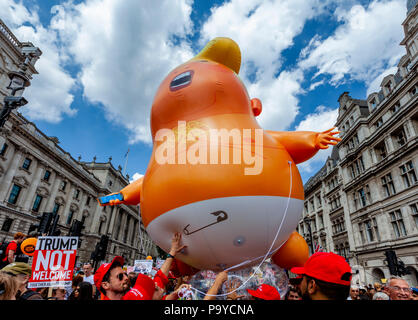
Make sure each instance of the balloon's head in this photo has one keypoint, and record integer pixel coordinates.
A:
(205, 86)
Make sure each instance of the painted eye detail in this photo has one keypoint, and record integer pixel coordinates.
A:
(181, 81)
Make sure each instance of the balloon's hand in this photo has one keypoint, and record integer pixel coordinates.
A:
(325, 138)
(111, 199)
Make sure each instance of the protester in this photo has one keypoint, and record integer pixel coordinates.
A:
(88, 273)
(378, 286)
(132, 278)
(11, 250)
(380, 296)
(22, 271)
(70, 290)
(264, 292)
(398, 289)
(414, 293)
(221, 277)
(58, 293)
(114, 284)
(354, 293)
(84, 291)
(326, 276)
(8, 286)
(293, 294)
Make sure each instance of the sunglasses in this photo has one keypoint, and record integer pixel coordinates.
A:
(121, 275)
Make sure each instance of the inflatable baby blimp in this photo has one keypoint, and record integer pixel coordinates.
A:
(231, 188)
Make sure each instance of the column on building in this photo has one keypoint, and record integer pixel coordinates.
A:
(34, 186)
(10, 172)
(54, 190)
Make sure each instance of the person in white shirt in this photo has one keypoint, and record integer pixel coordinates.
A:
(88, 273)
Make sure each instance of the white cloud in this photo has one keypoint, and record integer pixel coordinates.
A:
(124, 49)
(49, 95)
(322, 119)
(362, 47)
(135, 177)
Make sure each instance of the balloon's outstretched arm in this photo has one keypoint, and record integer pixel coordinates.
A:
(129, 195)
(303, 145)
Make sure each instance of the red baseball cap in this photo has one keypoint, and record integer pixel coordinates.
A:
(265, 292)
(143, 289)
(326, 266)
(104, 268)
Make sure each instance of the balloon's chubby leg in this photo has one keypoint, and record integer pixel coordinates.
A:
(129, 195)
(303, 145)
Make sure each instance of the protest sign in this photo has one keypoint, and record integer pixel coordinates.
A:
(159, 263)
(53, 262)
(143, 266)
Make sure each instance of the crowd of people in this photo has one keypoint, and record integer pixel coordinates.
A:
(325, 276)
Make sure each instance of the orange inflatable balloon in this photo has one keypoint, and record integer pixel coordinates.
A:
(293, 253)
(229, 201)
(149, 258)
(28, 246)
(179, 269)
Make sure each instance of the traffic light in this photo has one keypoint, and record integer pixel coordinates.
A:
(53, 230)
(102, 248)
(45, 222)
(76, 228)
(392, 261)
(402, 270)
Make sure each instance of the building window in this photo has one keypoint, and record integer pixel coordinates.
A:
(362, 197)
(414, 212)
(373, 103)
(56, 208)
(76, 193)
(37, 203)
(380, 150)
(14, 194)
(318, 197)
(357, 167)
(88, 201)
(379, 123)
(408, 174)
(70, 217)
(7, 224)
(369, 231)
(395, 107)
(400, 137)
(63, 185)
(3, 149)
(397, 223)
(311, 202)
(101, 226)
(388, 185)
(47, 175)
(26, 163)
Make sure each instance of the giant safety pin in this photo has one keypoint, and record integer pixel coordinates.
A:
(221, 216)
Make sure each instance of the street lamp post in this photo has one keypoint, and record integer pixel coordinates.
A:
(18, 82)
(308, 223)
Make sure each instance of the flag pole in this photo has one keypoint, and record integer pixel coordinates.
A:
(126, 162)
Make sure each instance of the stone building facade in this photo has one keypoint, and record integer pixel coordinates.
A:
(364, 200)
(37, 175)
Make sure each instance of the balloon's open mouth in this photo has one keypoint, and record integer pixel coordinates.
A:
(181, 81)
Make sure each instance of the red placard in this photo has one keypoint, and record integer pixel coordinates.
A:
(53, 262)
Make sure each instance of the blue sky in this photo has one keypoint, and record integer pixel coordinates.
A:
(104, 59)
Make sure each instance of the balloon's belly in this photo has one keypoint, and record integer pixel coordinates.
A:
(225, 232)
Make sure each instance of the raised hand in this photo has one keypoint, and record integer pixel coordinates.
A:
(325, 138)
(176, 247)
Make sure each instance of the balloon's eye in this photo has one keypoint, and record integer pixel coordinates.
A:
(181, 81)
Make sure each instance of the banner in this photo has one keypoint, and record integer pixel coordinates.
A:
(53, 262)
(143, 266)
(159, 263)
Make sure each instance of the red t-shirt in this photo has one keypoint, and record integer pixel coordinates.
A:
(12, 246)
